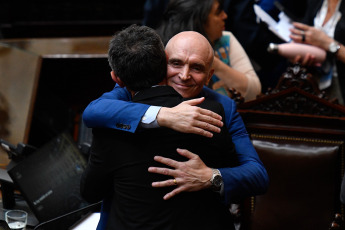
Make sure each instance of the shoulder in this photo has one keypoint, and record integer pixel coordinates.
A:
(213, 95)
(212, 105)
(227, 33)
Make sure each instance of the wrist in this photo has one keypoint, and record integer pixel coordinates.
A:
(207, 178)
(162, 117)
(327, 42)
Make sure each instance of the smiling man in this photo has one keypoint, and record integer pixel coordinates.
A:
(185, 67)
(117, 172)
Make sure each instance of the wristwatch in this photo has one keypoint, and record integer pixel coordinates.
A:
(216, 180)
(333, 47)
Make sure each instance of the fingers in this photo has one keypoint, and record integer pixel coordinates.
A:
(300, 26)
(298, 31)
(298, 58)
(187, 118)
(200, 123)
(210, 118)
(166, 161)
(308, 60)
(297, 35)
(209, 115)
(207, 120)
(196, 101)
(203, 128)
(186, 153)
(166, 183)
(173, 193)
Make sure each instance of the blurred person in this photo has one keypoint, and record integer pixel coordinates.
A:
(324, 26)
(292, 8)
(233, 68)
(255, 37)
(153, 12)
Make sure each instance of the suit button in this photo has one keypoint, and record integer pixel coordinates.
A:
(119, 125)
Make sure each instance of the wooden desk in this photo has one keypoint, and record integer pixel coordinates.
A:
(72, 71)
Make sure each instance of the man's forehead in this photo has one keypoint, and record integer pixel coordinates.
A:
(187, 52)
(187, 57)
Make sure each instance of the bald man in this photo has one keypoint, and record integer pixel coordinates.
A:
(114, 110)
(117, 169)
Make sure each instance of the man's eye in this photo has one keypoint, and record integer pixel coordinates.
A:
(175, 63)
(197, 68)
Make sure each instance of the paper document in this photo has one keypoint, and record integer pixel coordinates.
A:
(281, 28)
(89, 223)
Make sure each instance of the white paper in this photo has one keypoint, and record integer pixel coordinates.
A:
(90, 223)
(281, 28)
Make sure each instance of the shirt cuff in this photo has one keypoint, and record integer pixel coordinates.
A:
(149, 120)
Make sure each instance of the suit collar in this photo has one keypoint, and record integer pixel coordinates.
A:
(161, 90)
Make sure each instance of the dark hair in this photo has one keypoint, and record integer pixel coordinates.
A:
(185, 15)
(136, 55)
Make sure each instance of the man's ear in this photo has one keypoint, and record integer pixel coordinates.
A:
(209, 76)
(117, 79)
(166, 56)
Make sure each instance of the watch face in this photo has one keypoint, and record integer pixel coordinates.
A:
(217, 181)
(333, 47)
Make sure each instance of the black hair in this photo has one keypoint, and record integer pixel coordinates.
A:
(136, 55)
(185, 15)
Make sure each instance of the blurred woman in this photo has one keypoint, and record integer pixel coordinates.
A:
(233, 68)
(325, 28)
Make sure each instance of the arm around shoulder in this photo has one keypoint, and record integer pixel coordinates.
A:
(114, 110)
(250, 177)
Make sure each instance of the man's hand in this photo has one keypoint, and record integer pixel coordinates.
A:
(188, 118)
(192, 175)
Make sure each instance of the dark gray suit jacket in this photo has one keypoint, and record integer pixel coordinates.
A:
(118, 167)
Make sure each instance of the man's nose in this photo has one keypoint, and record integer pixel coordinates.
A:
(184, 74)
(224, 15)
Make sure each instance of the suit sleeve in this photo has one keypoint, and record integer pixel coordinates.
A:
(96, 180)
(114, 110)
(250, 178)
